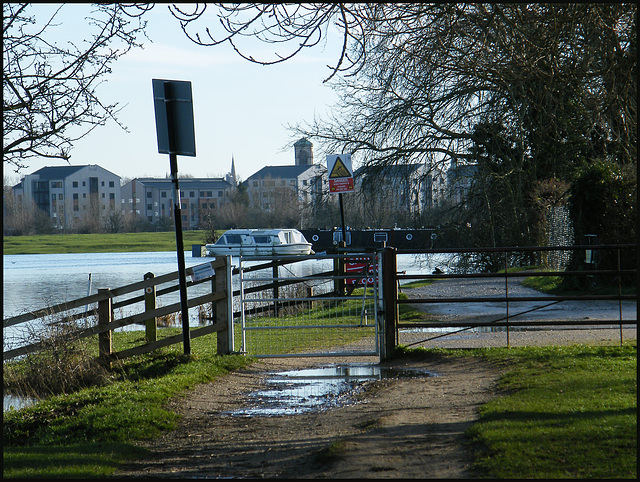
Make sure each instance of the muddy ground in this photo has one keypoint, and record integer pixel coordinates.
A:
(408, 428)
(399, 428)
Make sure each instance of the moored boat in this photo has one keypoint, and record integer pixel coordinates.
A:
(234, 242)
(260, 242)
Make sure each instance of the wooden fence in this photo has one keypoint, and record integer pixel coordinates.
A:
(218, 297)
(221, 299)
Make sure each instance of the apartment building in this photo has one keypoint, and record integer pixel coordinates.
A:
(69, 193)
(152, 198)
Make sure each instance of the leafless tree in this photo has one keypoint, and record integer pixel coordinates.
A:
(50, 89)
(526, 91)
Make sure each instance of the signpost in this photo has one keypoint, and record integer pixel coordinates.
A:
(173, 105)
(340, 180)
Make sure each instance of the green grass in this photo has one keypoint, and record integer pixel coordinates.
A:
(562, 412)
(90, 432)
(565, 412)
(99, 243)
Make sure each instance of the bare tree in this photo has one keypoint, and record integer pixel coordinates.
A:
(49, 89)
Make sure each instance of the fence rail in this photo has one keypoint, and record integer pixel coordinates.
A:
(106, 322)
(589, 271)
(222, 295)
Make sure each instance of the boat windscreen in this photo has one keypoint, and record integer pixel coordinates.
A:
(233, 238)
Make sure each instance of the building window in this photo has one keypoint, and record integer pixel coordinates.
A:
(149, 194)
(60, 197)
(220, 193)
(112, 196)
(163, 194)
(74, 184)
(102, 183)
(149, 207)
(192, 194)
(112, 184)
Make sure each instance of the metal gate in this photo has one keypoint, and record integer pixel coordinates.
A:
(303, 306)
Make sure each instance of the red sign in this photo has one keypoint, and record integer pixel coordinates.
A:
(344, 184)
(366, 268)
(340, 173)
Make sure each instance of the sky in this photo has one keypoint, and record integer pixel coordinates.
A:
(241, 109)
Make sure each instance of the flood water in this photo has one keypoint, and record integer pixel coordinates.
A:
(35, 281)
(313, 389)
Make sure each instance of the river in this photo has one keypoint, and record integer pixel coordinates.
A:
(34, 281)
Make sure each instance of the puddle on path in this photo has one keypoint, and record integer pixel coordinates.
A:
(299, 391)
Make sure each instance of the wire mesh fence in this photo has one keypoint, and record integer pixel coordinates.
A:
(287, 312)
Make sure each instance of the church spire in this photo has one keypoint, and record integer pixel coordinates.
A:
(231, 177)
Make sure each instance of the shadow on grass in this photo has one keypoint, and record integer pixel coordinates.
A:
(72, 461)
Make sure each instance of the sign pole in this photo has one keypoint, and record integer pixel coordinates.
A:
(177, 214)
(344, 231)
(182, 275)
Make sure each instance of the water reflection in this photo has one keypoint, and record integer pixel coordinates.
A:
(300, 391)
(16, 402)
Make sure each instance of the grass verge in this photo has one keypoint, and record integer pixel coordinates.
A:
(565, 412)
(562, 412)
(90, 432)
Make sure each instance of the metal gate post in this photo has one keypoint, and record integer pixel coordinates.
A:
(151, 325)
(389, 296)
(223, 282)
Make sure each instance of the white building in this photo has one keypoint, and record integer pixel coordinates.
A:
(304, 182)
(69, 193)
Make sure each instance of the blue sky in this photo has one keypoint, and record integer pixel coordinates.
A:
(241, 109)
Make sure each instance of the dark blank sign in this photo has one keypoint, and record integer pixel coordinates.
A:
(177, 93)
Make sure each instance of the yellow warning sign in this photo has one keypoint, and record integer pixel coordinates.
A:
(340, 173)
(339, 170)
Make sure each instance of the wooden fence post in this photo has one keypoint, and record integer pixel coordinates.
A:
(104, 318)
(389, 296)
(151, 325)
(221, 312)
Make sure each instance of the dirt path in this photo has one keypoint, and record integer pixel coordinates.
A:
(400, 428)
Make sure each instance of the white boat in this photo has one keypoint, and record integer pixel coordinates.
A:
(260, 242)
(234, 242)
